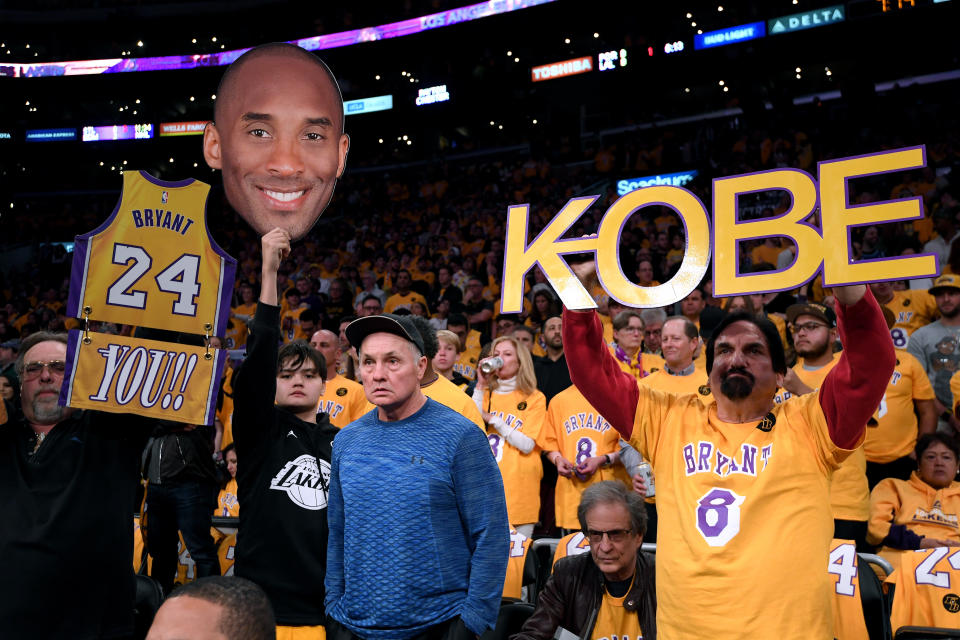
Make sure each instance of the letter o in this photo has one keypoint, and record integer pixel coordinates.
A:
(696, 257)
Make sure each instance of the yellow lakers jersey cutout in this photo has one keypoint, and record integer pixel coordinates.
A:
(152, 263)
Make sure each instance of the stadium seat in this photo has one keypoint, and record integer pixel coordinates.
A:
(926, 633)
(531, 577)
(147, 599)
(876, 608)
(544, 549)
(509, 621)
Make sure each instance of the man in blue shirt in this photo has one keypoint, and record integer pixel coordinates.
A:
(419, 536)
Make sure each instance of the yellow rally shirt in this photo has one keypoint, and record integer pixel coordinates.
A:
(519, 546)
(750, 505)
(849, 490)
(521, 471)
(450, 395)
(577, 431)
(843, 568)
(343, 400)
(614, 622)
(895, 434)
(927, 589)
(696, 383)
(912, 309)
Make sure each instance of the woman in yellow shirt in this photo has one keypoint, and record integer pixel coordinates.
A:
(922, 512)
(514, 411)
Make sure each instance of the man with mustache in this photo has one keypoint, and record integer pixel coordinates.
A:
(67, 488)
(742, 483)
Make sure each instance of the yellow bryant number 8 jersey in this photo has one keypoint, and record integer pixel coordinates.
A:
(152, 263)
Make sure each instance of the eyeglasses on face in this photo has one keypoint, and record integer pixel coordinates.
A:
(615, 536)
(33, 369)
(807, 327)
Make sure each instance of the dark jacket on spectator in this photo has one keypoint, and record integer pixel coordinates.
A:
(572, 597)
(67, 540)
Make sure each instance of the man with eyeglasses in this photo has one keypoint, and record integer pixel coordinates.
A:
(609, 592)
(653, 320)
(67, 488)
(627, 337)
(814, 329)
(370, 306)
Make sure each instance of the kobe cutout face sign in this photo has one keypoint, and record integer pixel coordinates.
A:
(278, 137)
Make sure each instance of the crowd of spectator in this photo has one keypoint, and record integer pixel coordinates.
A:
(430, 245)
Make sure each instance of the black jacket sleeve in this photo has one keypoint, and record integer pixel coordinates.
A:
(255, 385)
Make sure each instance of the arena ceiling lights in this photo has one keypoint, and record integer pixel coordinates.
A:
(316, 43)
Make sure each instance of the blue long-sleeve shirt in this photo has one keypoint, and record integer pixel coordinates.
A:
(418, 525)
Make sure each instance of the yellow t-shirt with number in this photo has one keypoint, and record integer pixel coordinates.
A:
(895, 434)
(844, 571)
(614, 622)
(519, 546)
(926, 589)
(572, 544)
(912, 309)
(577, 431)
(734, 500)
(227, 504)
(343, 401)
(521, 471)
(466, 364)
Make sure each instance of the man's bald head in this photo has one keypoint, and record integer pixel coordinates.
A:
(327, 343)
(278, 138)
(226, 88)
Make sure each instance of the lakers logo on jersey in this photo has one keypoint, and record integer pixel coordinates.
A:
(305, 483)
(154, 265)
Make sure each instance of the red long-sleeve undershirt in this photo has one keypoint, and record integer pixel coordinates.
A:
(848, 396)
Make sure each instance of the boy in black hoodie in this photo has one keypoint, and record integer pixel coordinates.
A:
(285, 447)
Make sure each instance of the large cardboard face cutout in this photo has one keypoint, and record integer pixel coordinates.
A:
(278, 138)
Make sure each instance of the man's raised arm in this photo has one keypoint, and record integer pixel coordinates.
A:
(593, 369)
(854, 387)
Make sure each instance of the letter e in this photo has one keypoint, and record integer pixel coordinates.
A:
(838, 215)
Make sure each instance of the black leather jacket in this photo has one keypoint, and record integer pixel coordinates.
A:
(572, 596)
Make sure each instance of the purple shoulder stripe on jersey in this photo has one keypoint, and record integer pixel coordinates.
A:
(73, 352)
(228, 273)
(164, 183)
(81, 244)
(213, 391)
